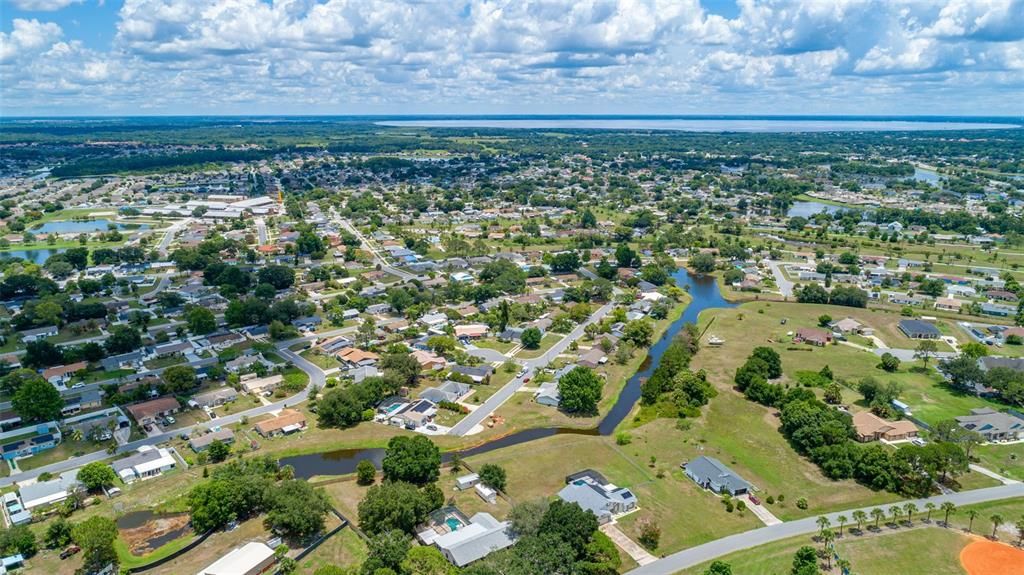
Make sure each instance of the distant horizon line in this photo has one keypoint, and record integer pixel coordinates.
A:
(840, 117)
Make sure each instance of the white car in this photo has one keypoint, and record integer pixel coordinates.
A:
(78, 385)
(522, 372)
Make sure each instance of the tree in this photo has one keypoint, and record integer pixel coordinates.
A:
(860, 517)
(366, 473)
(947, 508)
(179, 379)
(996, 520)
(910, 509)
(805, 561)
(413, 459)
(625, 257)
(42, 354)
(972, 514)
(842, 519)
(925, 350)
(526, 517)
(297, 509)
(703, 262)
(823, 524)
(580, 391)
(878, 515)
(58, 534)
(426, 560)
(96, 475)
(281, 277)
(18, 539)
(811, 293)
(386, 552)
(929, 507)
(718, 568)
(397, 505)
(833, 394)
(824, 320)
(570, 524)
(974, 349)
(771, 359)
(218, 451)
(890, 362)
(123, 339)
(962, 372)
(37, 400)
(650, 534)
(201, 321)
(493, 476)
(639, 332)
(96, 537)
(530, 338)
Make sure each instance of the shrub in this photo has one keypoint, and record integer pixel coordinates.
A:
(366, 473)
(801, 503)
(623, 438)
(770, 500)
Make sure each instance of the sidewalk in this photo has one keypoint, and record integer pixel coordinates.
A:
(992, 474)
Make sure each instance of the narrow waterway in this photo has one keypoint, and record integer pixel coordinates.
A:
(705, 295)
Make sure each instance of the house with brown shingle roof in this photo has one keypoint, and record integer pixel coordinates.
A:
(288, 421)
(870, 427)
(148, 411)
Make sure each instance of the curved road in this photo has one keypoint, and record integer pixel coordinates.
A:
(757, 537)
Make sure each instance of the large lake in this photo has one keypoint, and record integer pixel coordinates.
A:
(702, 124)
(82, 226)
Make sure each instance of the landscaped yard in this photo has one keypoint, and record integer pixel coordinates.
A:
(320, 360)
(64, 450)
(1006, 459)
(345, 548)
(498, 345)
(546, 343)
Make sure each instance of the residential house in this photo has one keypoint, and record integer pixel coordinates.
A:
(362, 372)
(478, 374)
(479, 538)
(173, 349)
(917, 329)
(61, 374)
(39, 333)
(812, 336)
(414, 415)
(241, 363)
(150, 411)
(130, 360)
(261, 385)
(223, 435)
(471, 331)
(847, 325)
(592, 492)
(428, 360)
(43, 493)
(998, 310)
(993, 425)
(30, 440)
(216, 398)
(147, 463)
(948, 304)
(308, 323)
(990, 361)
(548, 394)
(450, 391)
(714, 475)
(288, 421)
(356, 357)
(870, 427)
(592, 358)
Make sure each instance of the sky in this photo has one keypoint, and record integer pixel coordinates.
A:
(410, 57)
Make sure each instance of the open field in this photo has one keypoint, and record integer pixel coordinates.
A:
(345, 548)
(928, 397)
(930, 550)
(1006, 460)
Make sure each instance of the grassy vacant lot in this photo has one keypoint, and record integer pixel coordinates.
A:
(546, 342)
(1007, 460)
(928, 550)
(495, 344)
(320, 360)
(345, 548)
(927, 396)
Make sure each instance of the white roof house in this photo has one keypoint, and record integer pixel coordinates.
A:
(480, 538)
(148, 462)
(249, 559)
(47, 492)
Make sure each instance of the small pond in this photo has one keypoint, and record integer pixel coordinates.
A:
(85, 226)
(146, 531)
(34, 256)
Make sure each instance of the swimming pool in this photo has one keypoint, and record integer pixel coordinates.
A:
(453, 523)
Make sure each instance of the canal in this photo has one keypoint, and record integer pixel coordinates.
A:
(705, 295)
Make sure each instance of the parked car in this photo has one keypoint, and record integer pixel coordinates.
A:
(148, 427)
(755, 500)
(431, 427)
(170, 420)
(69, 551)
(78, 385)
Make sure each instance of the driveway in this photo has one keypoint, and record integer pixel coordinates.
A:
(760, 511)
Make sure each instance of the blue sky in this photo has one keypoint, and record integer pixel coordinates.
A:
(90, 57)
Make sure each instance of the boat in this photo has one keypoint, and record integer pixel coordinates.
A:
(715, 340)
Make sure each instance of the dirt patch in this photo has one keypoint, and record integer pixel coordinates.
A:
(991, 558)
(150, 535)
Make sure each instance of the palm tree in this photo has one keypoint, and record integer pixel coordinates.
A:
(910, 509)
(947, 508)
(878, 514)
(76, 435)
(860, 517)
(971, 513)
(842, 519)
(895, 511)
(996, 520)
(827, 538)
(823, 524)
(930, 507)
(844, 565)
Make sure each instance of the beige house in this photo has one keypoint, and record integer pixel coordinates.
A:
(870, 427)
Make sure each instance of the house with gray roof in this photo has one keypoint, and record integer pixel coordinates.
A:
(592, 492)
(216, 397)
(447, 391)
(476, 373)
(993, 425)
(917, 329)
(712, 474)
(49, 492)
(482, 536)
(991, 362)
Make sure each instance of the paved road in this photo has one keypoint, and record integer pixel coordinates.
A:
(785, 286)
(316, 377)
(756, 537)
(171, 233)
(366, 245)
(261, 230)
(532, 365)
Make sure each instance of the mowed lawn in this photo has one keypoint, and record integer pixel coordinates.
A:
(759, 324)
(1006, 460)
(930, 550)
